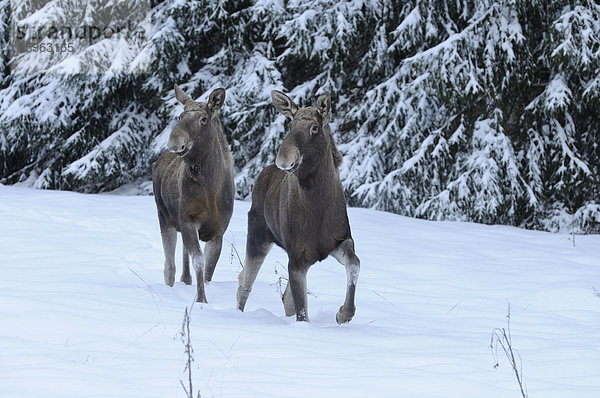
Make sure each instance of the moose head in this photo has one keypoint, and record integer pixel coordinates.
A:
(195, 122)
(309, 138)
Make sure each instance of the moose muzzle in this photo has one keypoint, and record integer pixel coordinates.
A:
(288, 158)
(179, 142)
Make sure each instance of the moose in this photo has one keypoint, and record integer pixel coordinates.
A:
(193, 189)
(299, 205)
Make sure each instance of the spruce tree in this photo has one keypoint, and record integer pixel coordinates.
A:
(478, 110)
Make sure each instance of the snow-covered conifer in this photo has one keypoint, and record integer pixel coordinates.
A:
(482, 110)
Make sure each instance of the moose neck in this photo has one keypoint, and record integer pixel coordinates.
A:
(204, 158)
(323, 183)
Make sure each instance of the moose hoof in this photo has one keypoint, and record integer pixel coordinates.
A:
(241, 305)
(169, 280)
(302, 316)
(242, 297)
(343, 316)
(187, 279)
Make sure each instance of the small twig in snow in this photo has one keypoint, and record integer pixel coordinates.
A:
(455, 305)
(502, 337)
(153, 297)
(137, 339)
(235, 252)
(383, 298)
(189, 351)
(228, 359)
(280, 280)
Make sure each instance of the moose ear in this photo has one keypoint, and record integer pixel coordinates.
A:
(284, 104)
(216, 100)
(324, 106)
(182, 97)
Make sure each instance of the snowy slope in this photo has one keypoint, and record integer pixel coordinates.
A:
(84, 311)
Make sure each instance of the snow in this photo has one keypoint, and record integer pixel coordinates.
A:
(85, 312)
(557, 93)
(409, 22)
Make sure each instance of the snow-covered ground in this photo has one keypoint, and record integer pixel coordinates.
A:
(84, 311)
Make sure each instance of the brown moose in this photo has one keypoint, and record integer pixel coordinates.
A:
(193, 189)
(299, 204)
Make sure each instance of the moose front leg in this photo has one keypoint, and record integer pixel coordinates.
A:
(297, 285)
(189, 233)
(344, 253)
(169, 241)
(186, 276)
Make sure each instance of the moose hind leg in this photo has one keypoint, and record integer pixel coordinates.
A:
(288, 301)
(186, 276)
(212, 250)
(344, 253)
(189, 233)
(169, 240)
(258, 244)
(255, 257)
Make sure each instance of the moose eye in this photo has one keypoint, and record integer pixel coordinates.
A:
(314, 129)
(203, 120)
(179, 117)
